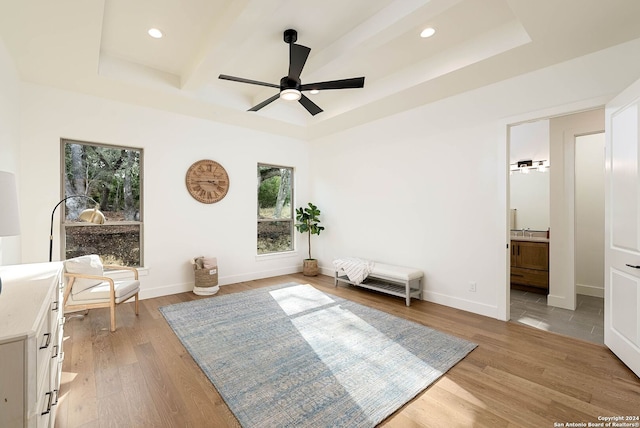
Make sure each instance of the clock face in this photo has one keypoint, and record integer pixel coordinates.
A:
(207, 181)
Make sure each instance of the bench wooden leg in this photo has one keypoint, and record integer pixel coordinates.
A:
(408, 291)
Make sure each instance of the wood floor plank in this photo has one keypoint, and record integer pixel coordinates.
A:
(80, 390)
(139, 400)
(168, 403)
(518, 376)
(110, 411)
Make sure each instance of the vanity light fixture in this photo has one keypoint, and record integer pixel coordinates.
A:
(525, 166)
(155, 33)
(427, 32)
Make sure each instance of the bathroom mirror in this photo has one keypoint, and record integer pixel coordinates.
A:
(529, 185)
(530, 200)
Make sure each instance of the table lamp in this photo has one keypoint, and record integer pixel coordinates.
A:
(9, 214)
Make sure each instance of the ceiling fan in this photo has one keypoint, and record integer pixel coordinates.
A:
(290, 86)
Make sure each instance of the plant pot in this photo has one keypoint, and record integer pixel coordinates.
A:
(310, 267)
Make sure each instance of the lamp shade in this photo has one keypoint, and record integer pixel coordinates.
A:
(9, 214)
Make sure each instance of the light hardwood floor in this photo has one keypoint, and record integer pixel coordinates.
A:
(141, 375)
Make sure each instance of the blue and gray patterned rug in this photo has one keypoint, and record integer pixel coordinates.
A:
(292, 356)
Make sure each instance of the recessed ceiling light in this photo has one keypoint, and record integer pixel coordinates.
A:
(427, 32)
(155, 33)
(314, 91)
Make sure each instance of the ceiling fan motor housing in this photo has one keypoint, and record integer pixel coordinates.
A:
(287, 83)
(290, 36)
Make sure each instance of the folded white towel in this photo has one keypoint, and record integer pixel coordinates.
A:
(209, 262)
(356, 269)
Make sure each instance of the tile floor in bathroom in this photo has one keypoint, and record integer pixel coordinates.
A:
(586, 322)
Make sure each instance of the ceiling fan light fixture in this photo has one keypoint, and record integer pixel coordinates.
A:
(290, 94)
(314, 91)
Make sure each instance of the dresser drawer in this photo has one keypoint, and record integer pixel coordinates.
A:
(44, 340)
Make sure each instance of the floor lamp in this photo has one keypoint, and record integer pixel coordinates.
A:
(91, 215)
(9, 216)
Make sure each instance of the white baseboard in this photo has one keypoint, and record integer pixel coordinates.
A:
(167, 290)
(559, 302)
(463, 304)
(590, 290)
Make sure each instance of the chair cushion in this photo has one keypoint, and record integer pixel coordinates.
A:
(100, 293)
(85, 265)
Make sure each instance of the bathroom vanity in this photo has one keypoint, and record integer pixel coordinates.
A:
(530, 263)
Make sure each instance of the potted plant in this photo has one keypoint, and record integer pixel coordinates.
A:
(309, 223)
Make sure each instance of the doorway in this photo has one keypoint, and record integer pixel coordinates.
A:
(573, 305)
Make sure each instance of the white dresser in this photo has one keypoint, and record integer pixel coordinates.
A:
(31, 330)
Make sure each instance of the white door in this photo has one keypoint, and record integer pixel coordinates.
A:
(622, 227)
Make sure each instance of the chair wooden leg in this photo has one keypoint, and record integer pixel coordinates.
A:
(137, 307)
(113, 316)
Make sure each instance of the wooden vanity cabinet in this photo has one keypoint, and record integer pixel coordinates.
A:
(530, 264)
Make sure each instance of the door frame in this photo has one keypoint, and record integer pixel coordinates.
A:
(504, 293)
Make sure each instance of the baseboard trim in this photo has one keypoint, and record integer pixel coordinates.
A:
(462, 304)
(224, 280)
(590, 290)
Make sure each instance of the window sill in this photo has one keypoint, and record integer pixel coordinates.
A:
(275, 256)
(126, 274)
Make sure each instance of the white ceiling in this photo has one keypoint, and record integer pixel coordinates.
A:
(101, 47)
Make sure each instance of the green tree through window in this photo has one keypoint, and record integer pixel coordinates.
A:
(275, 209)
(112, 176)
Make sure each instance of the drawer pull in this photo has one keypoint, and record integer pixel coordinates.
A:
(633, 266)
(57, 395)
(46, 345)
(56, 306)
(50, 403)
(55, 351)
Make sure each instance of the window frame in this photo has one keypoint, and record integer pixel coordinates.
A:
(64, 224)
(291, 220)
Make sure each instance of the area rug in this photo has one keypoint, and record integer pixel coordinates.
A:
(292, 356)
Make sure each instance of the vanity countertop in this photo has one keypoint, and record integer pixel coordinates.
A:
(529, 238)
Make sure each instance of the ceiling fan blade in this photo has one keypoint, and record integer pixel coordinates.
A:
(252, 82)
(298, 55)
(264, 103)
(356, 82)
(309, 105)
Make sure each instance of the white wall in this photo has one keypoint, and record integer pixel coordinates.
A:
(590, 215)
(9, 141)
(395, 192)
(562, 274)
(428, 188)
(176, 226)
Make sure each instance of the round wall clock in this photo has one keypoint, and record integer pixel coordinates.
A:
(207, 181)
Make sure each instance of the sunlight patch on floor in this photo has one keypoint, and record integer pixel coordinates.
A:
(532, 322)
(344, 342)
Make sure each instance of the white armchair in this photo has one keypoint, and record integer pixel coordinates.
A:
(87, 287)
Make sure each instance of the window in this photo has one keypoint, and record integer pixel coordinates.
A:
(112, 176)
(275, 209)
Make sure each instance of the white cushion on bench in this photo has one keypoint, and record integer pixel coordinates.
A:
(400, 273)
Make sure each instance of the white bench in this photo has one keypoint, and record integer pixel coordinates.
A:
(395, 280)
